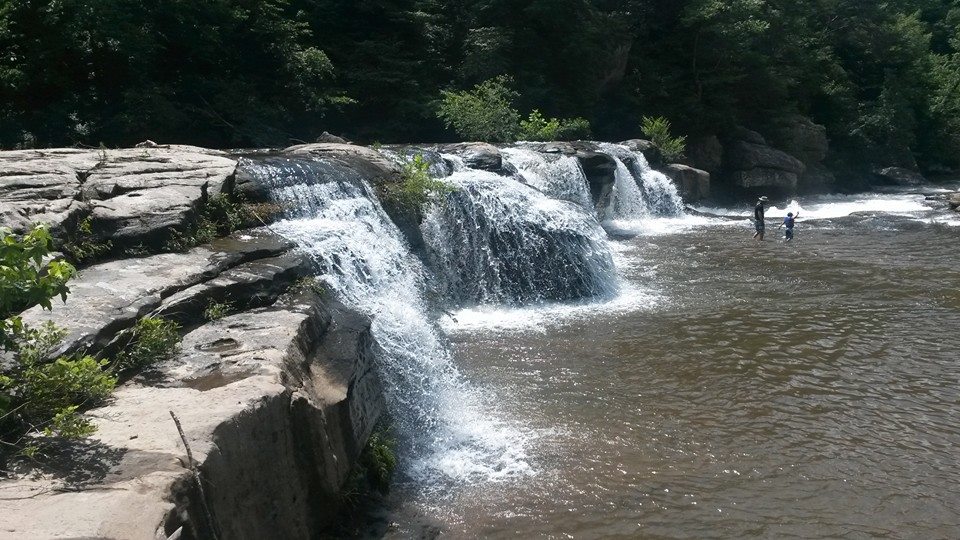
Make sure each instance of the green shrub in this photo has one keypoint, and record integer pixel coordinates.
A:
(153, 340)
(217, 310)
(379, 461)
(417, 188)
(538, 128)
(484, 113)
(39, 398)
(310, 283)
(219, 216)
(83, 246)
(26, 280)
(658, 129)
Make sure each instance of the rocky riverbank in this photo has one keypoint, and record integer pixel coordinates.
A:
(277, 398)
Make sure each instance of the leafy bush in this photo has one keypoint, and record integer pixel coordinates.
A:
(417, 188)
(379, 461)
(658, 129)
(217, 310)
(538, 128)
(26, 280)
(41, 398)
(219, 216)
(153, 340)
(484, 113)
(83, 246)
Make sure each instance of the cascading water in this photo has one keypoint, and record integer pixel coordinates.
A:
(496, 240)
(639, 192)
(559, 177)
(445, 426)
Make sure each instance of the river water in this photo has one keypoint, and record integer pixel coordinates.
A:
(732, 389)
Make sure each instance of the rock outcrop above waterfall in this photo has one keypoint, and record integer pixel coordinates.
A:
(899, 176)
(276, 402)
(477, 155)
(131, 196)
(751, 164)
(649, 149)
(693, 184)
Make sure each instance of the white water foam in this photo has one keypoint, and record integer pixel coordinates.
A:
(449, 430)
(559, 177)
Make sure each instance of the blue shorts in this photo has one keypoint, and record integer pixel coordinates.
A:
(759, 225)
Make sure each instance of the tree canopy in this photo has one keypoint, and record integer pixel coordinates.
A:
(884, 77)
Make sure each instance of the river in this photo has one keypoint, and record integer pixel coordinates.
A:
(732, 389)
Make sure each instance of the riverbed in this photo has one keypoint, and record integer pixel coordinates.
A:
(732, 388)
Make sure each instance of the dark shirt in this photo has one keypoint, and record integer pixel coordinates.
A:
(788, 221)
(758, 212)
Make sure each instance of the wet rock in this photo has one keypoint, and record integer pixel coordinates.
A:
(899, 176)
(482, 156)
(366, 162)
(601, 172)
(694, 184)
(439, 167)
(650, 151)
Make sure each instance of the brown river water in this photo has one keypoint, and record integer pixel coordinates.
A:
(734, 389)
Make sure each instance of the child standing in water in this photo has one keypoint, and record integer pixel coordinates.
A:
(789, 221)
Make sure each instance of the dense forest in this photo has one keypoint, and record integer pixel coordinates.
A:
(883, 76)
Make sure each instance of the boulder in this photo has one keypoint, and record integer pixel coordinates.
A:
(367, 162)
(801, 138)
(275, 405)
(327, 137)
(899, 176)
(740, 133)
(694, 184)
(752, 165)
(954, 201)
(650, 151)
(477, 155)
(705, 153)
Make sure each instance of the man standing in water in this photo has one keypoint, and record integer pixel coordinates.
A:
(758, 218)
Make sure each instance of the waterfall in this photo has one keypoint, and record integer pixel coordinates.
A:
(639, 192)
(559, 177)
(496, 240)
(445, 427)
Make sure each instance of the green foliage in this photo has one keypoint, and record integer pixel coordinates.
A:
(417, 188)
(219, 216)
(658, 129)
(41, 398)
(217, 310)
(83, 246)
(379, 460)
(26, 280)
(538, 128)
(484, 113)
(153, 340)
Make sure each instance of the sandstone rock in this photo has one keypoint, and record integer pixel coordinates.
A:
(650, 151)
(367, 162)
(752, 165)
(477, 155)
(705, 153)
(694, 183)
(108, 298)
(801, 138)
(275, 404)
(900, 176)
(132, 195)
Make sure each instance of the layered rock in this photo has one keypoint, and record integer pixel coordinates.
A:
(705, 153)
(478, 155)
(694, 184)
(899, 176)
(133, 196)
(276, 403)
(807, 141)
(751, 164)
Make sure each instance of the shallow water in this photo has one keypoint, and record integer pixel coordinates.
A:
(734, 389)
